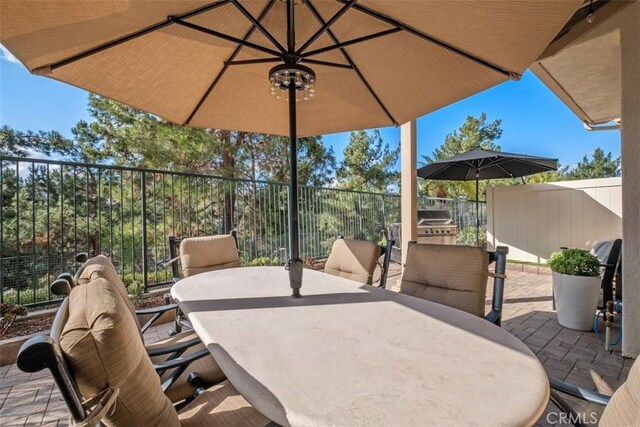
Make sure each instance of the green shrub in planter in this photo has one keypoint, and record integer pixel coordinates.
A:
(574, 262)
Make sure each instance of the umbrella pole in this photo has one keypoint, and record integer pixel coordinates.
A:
(477, 212)
(294, 265)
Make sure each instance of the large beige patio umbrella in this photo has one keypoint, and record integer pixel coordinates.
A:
(233, 64)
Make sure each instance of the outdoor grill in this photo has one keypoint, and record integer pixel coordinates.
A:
(435, 226)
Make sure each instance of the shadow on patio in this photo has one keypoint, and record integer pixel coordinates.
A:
(572, 356)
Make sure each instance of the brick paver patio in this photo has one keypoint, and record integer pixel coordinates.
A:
(576, 357)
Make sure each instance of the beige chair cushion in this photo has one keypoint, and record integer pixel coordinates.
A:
(101, 267)
(353, 259)
(452, 275)
(202, 254)
(221, 405)
(104, 349)
(624, 407)
(206, 367)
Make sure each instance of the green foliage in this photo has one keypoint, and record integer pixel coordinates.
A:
(600, 165)
(574, 262)
(9, 313)
(270, 154)
(540, 178)
(368, 164)
(467, 236)
(474, 132)
(263, 261)
(22, 144)
(136, 292)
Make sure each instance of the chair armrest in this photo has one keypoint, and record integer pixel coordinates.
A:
(179, 365)
(154, 310)
(156, 313)
(180, 361)
(172, 348)
(493, 316)
(579, 392)
(185, 323)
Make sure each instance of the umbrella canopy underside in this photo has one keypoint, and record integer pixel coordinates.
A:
(488, 164)
(414, 56)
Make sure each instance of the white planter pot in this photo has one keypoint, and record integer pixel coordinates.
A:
(576, 299)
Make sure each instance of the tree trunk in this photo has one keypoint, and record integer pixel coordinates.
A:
(228, 170)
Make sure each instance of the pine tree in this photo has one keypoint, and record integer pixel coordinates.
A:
(600, 165)
(368, 164)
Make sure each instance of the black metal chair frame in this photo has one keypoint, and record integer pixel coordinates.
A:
(499, 257)
(44, 352)
(558, 387)
(386, 251)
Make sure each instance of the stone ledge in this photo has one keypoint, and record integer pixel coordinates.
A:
(9, 348)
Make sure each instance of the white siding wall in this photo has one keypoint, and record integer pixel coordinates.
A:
(535, 220)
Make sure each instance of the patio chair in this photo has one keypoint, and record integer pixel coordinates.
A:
(357, 259)
(456, 276)
(621, 409)
(199, 255)
(181, 344)
(202, 254)
(104, 373)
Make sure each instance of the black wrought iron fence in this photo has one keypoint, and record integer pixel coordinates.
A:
(52, 210)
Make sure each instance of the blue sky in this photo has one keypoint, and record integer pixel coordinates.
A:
(534, 120)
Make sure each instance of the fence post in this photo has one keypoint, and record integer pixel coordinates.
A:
(384, 217)
(143, 190)
(360, 224)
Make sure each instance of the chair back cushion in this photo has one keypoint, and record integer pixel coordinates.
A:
(452, 275)
(624, 407)
(104, 350)
(353, 259)
(201, 254)
(101, 267)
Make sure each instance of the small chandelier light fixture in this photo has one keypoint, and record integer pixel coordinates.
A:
(283, 75)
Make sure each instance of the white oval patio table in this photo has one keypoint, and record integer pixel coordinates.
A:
(348, 354)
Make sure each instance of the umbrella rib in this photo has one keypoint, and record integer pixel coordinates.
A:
(418, 33)
(506, 171)
(253, 61)
(548, 168)
(433, 177)
(500, 161)
(326, 26)
(327, 63)
(226, 64)
(497, 162)
(353, 64)
(259, 26)
(352, 41)
(214, 33)
(129, 37)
